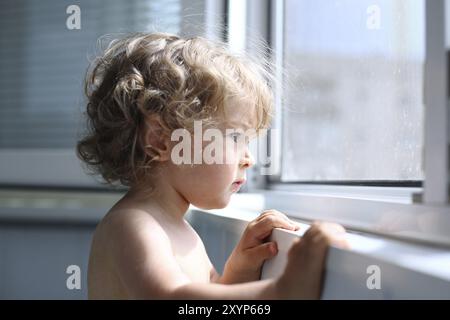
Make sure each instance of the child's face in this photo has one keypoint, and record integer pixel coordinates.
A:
(210, 186)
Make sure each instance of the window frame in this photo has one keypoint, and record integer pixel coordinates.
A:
(436, 135)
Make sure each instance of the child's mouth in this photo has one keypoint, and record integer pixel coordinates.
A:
(237, 184)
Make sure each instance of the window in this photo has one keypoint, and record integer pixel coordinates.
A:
(353, 108)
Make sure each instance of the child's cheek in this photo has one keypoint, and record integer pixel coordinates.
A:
(231, 153)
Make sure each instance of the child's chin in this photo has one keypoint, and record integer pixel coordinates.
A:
(216, 204)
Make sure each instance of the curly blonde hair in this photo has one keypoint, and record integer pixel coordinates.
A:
(180, 80)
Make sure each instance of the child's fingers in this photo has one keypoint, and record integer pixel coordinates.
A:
(324, 234)
(264, 227)
(298, 249)
(318, 238)
(342, 243)
(262, 252)
(272, 212)
(269, 212)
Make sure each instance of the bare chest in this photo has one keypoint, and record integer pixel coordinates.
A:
(191, 256)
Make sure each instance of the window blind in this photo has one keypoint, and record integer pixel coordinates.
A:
(43, 63)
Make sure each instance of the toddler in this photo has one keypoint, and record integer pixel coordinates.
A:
(146, 94)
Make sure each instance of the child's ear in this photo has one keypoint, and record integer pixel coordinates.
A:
(156, 138)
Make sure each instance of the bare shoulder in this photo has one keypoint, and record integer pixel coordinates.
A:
(132, 223)
(130, 229)
(141, 253)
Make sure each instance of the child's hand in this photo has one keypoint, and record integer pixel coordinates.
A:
(302, 277)
(246, 260)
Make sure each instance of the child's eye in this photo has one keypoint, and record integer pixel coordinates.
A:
(235, 137)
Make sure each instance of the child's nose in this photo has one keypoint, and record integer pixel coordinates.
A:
(247, 160)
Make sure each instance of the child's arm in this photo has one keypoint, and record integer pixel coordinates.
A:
(142, 256)
(143, 259)
(256, 290)
(301, 279)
